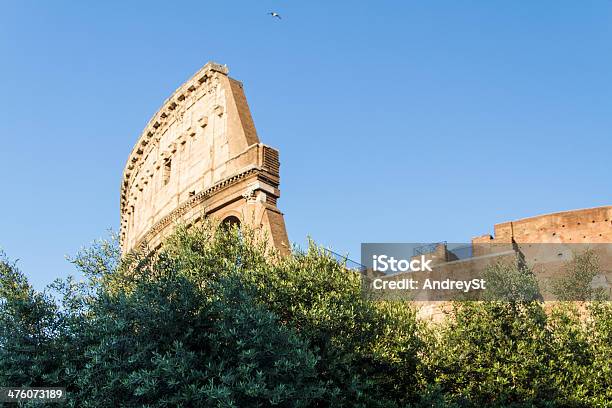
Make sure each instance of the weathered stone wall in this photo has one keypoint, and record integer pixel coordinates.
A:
(585, 226)
(592, 225)
(200, 156)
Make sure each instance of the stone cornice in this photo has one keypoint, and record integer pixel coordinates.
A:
(174, 106)
(184, 208)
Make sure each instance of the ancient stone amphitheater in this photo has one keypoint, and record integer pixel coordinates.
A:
(200, 156)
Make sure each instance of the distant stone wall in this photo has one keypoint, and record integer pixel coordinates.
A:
(585, 226)
(200, 156)
(592, 225)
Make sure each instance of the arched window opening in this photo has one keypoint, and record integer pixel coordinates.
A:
(231, 222)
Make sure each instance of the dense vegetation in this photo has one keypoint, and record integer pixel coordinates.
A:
(216, 319)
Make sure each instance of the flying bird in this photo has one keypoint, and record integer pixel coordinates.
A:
(275, 14)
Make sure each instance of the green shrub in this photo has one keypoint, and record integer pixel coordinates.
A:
(214, 319)
(367, 352)
(513, 353)
(575, 285)
(218, 319)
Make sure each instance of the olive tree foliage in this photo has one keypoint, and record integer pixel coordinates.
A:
(599, 333)
(575, 284)
(367, 352)
(520, 352)
(165, 342)
(511, 282)
(215, 318)
(31, 331)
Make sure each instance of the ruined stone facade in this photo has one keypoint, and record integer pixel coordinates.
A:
(200, 156)
(592, 225)
(567, 232)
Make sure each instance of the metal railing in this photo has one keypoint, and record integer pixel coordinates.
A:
(344, 260)
(341, 259)
(427, 248)
(462, 252)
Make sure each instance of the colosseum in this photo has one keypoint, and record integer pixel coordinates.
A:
(200, 156)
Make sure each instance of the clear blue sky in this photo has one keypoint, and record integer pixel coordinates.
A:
(397, 121)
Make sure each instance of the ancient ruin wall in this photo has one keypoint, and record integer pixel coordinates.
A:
(592, 225)
(584, 226)
(200, 156)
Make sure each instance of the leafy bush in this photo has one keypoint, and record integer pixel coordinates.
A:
(514, 353)
(164, 343)
(576, 283)
(511, 282)
(218, 319)
(364, 348)
(214, 319)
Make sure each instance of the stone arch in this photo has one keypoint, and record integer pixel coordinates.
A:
(231, 221)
